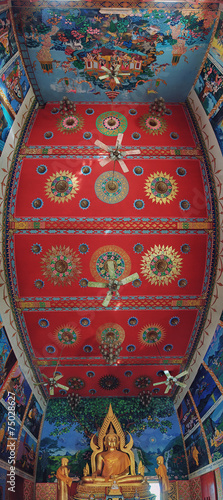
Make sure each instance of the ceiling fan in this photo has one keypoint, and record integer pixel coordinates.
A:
(53, 381)
(170, 380)
(112, 72)
(115, 154)
(113, 284)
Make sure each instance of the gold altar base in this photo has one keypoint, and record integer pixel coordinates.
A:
(101, 490)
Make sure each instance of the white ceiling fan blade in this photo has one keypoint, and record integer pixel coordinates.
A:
(181, 384)
(63, 387)
(101, 145)
(117, 68)
(104, 162)
(51, 390)
(130, 278)
(119, 140)
(131, 152)
(97, 284)
(45, 376)
(167, 373)
(106, 69)
(116, 79)
(57, 377)
(124, 74)
(111, 268)
(123, 166)
(167, 389)
(103, 77)
(159, 383)
(182, 374)
(107, 299)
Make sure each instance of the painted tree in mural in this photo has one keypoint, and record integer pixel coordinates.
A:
(89, 415)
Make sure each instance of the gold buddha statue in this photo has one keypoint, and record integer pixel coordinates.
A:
(112, 460)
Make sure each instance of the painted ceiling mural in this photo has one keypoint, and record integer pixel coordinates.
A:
(75, 51)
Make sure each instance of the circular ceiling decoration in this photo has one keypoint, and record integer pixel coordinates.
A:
(61, 265)
(61, 186)
(151, 335)
(111, 123)
(109, 382)
(142, 382)
(161, 265)
(111, 189)
(66, 335)
(99, 266)
(161, 187)
(152, 124)
(110, 332)
(71, 123)
(75, 383)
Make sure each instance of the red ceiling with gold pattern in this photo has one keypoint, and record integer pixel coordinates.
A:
(64, 224)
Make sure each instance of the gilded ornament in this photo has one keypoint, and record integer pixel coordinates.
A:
(61, 186)
(161, 187)
(161, 265)
(61, 265)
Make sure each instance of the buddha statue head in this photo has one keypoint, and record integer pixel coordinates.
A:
(111, 440)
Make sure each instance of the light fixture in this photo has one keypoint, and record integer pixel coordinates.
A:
(115, 154)
(145, 397)
(157, 108)
(67, 107)
(73, 400)
(110, 348)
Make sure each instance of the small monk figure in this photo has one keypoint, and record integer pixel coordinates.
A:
(63, 480)
(163, 479)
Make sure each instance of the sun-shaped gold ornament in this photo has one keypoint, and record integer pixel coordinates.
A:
(61, 265)
(61, 186)
(161, 265)
(151, 334)
(161, 187)
(110, 332)
(66, 335)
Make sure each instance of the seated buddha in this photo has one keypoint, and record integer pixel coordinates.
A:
(111, 458)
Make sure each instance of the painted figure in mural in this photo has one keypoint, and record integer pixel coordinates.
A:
(161, 472)
(195, 454)
(63, 480)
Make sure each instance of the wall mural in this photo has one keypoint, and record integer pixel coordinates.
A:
(214, 355)
(213, 427)
(4, 433)
(148, 48)
(7, 41)
(66, 433)
(187, 415)
(25, 460)
(204, 391)
(196, 451)
(22, 391)
(14, 84)
(209, 86)
(33, 417)
(216, 50)
(7, 357)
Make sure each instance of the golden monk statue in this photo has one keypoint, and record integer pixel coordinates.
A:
(63, 480)
(112, 460)
(163, 478)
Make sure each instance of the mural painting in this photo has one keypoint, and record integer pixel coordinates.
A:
(216, 121)
(187, 415)
(14, 84)
(7, 41)
(33, 417)
(146, 49)
(67, 433)
(7, 357)
(213, 426)
(6, 122)
(204, 391)
(216, 49)
(22, 391)
(25, 460)
(4, 433)
(209, 86)
(214, 354)
(3, 477)
(196, 451)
